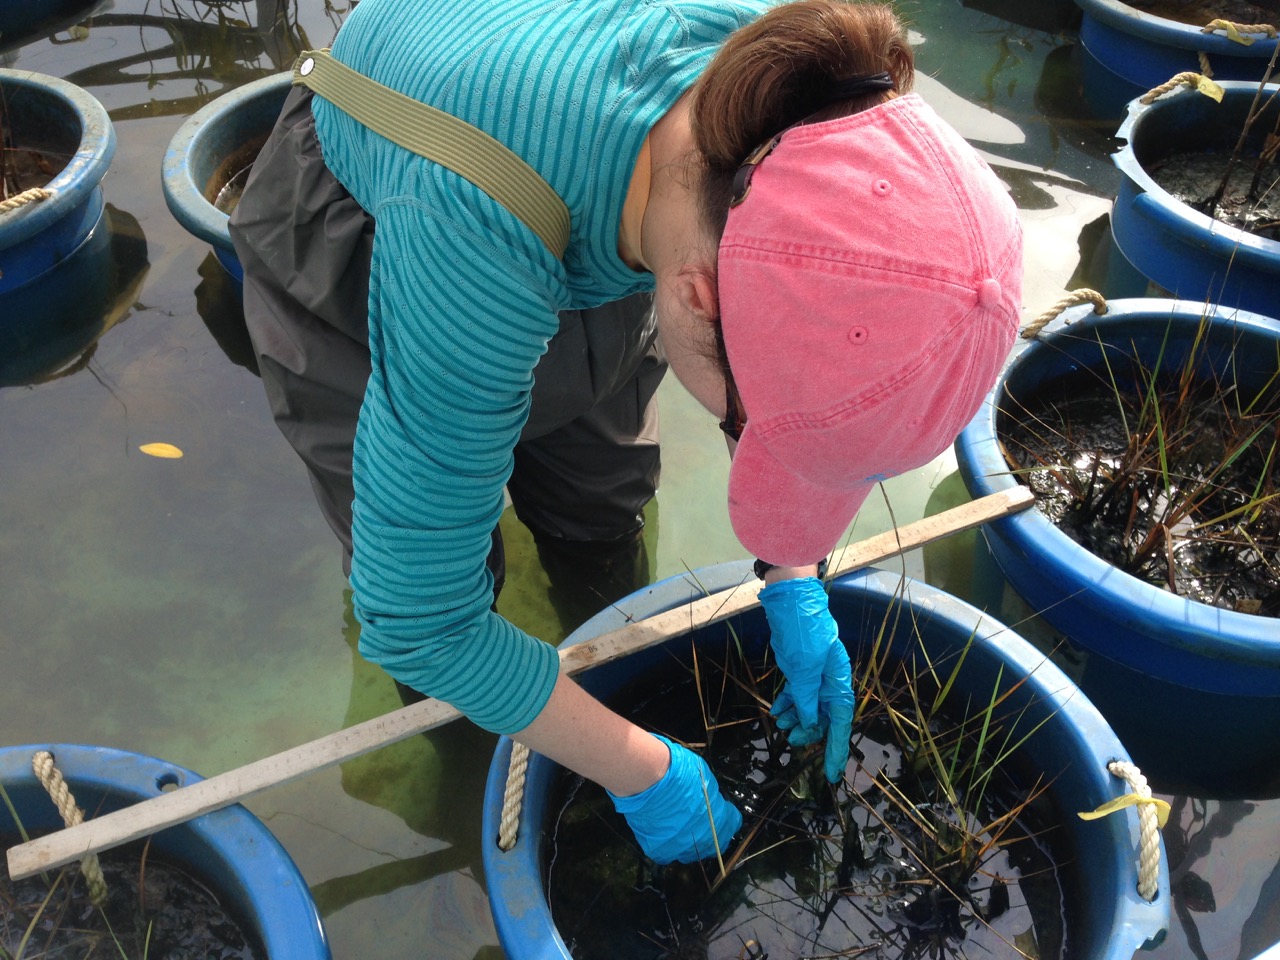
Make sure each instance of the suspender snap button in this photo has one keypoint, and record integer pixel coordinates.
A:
(306, 66)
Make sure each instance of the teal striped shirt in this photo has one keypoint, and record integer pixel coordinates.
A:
(463, 297)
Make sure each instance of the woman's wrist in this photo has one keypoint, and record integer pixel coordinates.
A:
(577, 731)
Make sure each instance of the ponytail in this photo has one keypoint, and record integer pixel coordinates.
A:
(780, 70)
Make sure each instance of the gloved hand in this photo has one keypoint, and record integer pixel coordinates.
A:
(671, 819)
(817, 698)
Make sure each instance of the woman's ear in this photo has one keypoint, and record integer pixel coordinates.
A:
(696, 288)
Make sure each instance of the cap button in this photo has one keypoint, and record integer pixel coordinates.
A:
(306, 66)
(989, 293)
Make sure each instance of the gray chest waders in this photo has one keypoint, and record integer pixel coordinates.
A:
(443, 138)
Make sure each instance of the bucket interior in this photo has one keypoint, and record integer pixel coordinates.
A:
(229, 851)
(35, 119)
(1073, 744)
(1188, 122)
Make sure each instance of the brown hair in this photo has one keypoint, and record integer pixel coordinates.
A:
(777, 71)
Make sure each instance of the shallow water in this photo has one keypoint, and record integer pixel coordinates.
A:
(1109, 494)
(820, 872)
(195, 609)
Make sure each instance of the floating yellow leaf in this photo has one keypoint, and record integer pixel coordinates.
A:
(166, 451)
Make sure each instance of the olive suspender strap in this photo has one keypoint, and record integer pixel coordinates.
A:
(443, 138)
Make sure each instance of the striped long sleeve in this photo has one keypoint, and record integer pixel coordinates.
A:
(463, 298)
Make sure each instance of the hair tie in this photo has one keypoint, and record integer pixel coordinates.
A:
(853, 86)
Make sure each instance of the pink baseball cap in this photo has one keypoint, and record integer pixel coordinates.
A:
(870, 284)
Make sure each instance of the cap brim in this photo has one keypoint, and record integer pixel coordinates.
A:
(779, 516)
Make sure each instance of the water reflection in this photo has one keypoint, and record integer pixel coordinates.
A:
(1066, 97)
(1201, 886)
(23, 21)
(206, 48)
(52, 325)
(1042, 16)
(415, 779)
(218, 301)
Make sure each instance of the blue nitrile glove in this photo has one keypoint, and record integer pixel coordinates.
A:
(817, 699)
(671, 819)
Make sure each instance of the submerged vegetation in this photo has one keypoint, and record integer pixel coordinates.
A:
(937, 843)
(148, 908)
(1166, 469)
(1238, 183)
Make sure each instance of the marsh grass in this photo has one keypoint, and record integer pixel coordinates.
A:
(1167, 469)
(150, 906)
(1265, 174)
(936, 843)
(1238, 183)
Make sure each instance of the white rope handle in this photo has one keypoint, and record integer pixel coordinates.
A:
(1187, 77)
(1148, 825)
(50, 778)
(513, 796)
(34, 195)
(1234, 30)
(1081, 295)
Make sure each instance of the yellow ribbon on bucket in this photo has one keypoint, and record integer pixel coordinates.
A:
(1232, 31)
(1129, 800)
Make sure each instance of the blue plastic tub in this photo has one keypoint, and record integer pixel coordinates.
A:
(48, 325)
(1193, 690)
(1110, 920)
(1186, 252)
(1143, 51)
(24, 21)
(51, 114)
(229, 850)
(223, 134)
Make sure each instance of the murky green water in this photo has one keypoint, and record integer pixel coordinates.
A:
(195, 609)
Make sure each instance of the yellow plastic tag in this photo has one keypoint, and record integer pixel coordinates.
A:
(1210, 89)
(1232, 33)
(1129, 800)
(166, 451)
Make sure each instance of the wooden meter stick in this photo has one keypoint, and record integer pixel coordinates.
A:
(222, 790)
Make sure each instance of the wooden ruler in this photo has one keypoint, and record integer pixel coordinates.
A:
(205, 796)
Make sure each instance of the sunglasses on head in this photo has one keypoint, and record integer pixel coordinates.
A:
(735, 414)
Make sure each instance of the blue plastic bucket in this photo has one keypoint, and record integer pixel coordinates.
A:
(50, 325)
(1193, 690)
(1143, 50)
(1188, 253)
(1109, 922)
(226, 131)
(229, 850)
(23, 21)
(51, 114)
